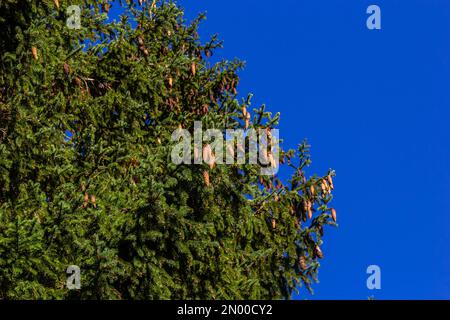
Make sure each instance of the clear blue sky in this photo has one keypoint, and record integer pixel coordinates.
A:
(375, 106)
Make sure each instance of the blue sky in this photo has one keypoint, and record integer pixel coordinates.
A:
(375, 106)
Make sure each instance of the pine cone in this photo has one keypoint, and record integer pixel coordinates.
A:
(86, 200)
(93, 200)
(196, 154)
(304, 218)
(311, 190)
(56, 2)
(269, 137)
(247, 120)
(144, 50)
(77, 81)
(264, 156)
(325, 182)
(308, 209)
(330, 182)
(323, 187)
(244, 111)
(333, 215)
(206, 178)
(272, 161)
(318, 253)
(208, 156)
(66, 68)
(34, 52)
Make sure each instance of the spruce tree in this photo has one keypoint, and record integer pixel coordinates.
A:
(86, 118)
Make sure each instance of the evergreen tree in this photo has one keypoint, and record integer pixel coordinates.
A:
(86, 118)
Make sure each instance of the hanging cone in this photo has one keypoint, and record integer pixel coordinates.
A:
(196, 154)
(193, 68)
(265, 157)
(318, 252)
(140, 40)
(333, 215)
(309, 211)
(206, 178)
(323, 187)
(326, 186)
(330, 181)
(212, 163)
(93, 200)
(86, 200)
(269, 138)
(272, 161)
(247, 120)
(274, 224)
(78, 81)
(244, 111)
(311, 190)
(143, 50)
(56, 2)
(66, 68)
(170, 82)
(208, 156)
(34, 53)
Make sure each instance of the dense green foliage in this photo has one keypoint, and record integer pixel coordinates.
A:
(86, 118)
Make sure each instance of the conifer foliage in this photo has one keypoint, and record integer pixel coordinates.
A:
(86, 117)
